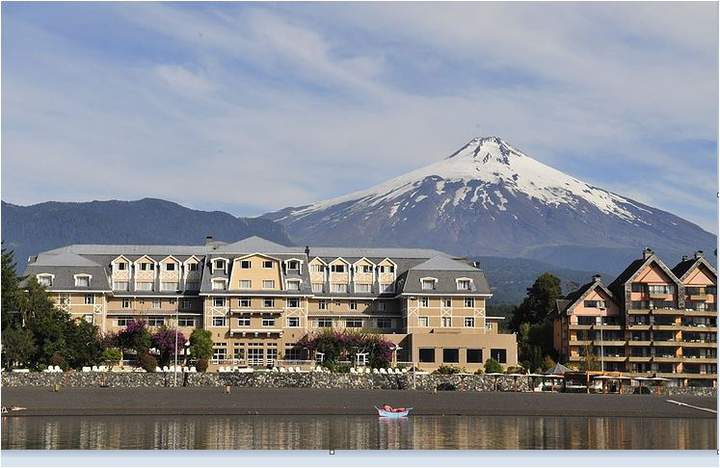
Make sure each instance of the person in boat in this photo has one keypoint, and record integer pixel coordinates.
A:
(390, 409)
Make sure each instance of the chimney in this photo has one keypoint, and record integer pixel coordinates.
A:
(647, 253)
(208, 240)
(307, 251)
(699, 254)
(684, 258)
(597, 277)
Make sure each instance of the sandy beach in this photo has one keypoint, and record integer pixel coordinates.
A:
(244, 401)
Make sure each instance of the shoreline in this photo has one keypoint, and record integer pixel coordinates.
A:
(183, 401)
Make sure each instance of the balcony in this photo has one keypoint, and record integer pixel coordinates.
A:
(639, 358)
(698, 297)
(670, 343)
(700, 360)
(607, 326)
(666, 326)
(698, 344)
(577, 326)
(639, 326)
(580, 342)
(610, 342)
(639, 342)
(667, 359)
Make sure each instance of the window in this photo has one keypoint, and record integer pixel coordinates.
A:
(244, 322)
(218, 285)
(269, 303)
(121, 285)
(245, 264)
(353, 305)
(156, 304)
(317, 268)
(82, 281)
(268, 322)
(256, 356)
(245, 302)
(500, 355)
(293, 303)
(469, 302)
(239, 352)
(339, 268)
(469, 322)
(317, 287)
(267, 264)
(293, 322)
(219, 265)
(293, 265)
(322, 305)
(464, 284)
(594, 304)
(366, 269)
(122, 266)
(268, 284)
(446, 322)
(192, 286)
(353, 323)
(293, 353)
(169, 286)
(186, 322)
(245, 284)
(156, 321)
(661, 289)
(219, 322)
(423, 322)
(338, 288)
(324, 323)
(144, 286)
(474, 356)
(193, 266)
(89, 299)
(219, 353)
(169, 267)
(271, 356)
(424, 302)
(446, 302)
(451, 355)
(428, 284)
(386, 269)
(123, 321)
(186, 304)
(126, 303)
(218, 301)
(380, 306)
(45, 280)
(363, 288)
(384, 323)
(638, 287)
(387, 287)
(293, 285)
(427, 354)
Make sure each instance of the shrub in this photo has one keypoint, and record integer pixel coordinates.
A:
(201, 365)
(57, 359)
(147, 362)
(135, 336)
(339, 368)
(111, 356)
(515, 370)
(343, 345)
(165, 340)
(448, 370)
(201, 345)
(479, 371)
(492, 366)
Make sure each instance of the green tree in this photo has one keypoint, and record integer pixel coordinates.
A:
(201, 345)
(548, 363)
(83, 344)
(589, 361)
(539, 303)
(111, 357)
(9, 294)
(135, 336)
(18, 347)
(492, 366)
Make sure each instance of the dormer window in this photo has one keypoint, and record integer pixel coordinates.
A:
(293, 265)
(317, 268)
(337, 268)
(82, 281)
(267, 264)
(219, 264)
(428, 284)
(169, 267)
(293, 285)
(45, 280)
(193, 266)
(464, 284)
(218, 285)
(121, 266)
(147, 267)
(386, 269)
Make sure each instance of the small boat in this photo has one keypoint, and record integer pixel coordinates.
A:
(393, 414)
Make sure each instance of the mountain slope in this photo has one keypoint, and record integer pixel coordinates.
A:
(32, 229)
(490, 199)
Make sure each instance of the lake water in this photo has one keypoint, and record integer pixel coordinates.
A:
(354, 432)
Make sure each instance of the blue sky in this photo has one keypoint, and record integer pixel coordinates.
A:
(253, 107)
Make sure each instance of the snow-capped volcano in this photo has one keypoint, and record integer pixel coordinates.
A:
(488, 198)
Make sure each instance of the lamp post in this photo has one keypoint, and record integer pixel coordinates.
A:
(598, 321)
(177, 323)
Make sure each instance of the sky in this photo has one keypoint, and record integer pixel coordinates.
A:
(249, 108)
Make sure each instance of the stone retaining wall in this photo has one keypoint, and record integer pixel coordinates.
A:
(422, 382)
(477, 383)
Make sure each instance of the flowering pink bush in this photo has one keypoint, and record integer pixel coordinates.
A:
(343, 345)
(165, 340)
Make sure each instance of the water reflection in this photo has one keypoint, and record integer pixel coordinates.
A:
(355, 432)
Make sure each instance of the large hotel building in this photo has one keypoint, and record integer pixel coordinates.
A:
(650, 321)
(258, 298)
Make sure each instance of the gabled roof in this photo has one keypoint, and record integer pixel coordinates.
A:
(557, 369)
(682, 269)
(635, 267)
(257, 244)
(63, 259)
(579, 294)
(445, 263)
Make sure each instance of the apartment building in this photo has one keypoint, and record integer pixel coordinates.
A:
(650, 321)
(259, 298)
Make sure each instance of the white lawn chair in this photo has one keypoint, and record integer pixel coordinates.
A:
(166, 369)
(95, 369)
(103, 368)
(383, 371)
(375, 371)
(297, 369)
(193, 369)
(86, 368)
(353, 371)
(158, 369)
(398, 371)
(283, 370)
(221, 369)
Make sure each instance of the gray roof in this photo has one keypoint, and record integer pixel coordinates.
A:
(359, 252)
(64, 259)
(258, 244)
(446, 281)
(64, 277)
(444, 263)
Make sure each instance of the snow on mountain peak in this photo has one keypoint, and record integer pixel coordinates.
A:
(483, 167)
